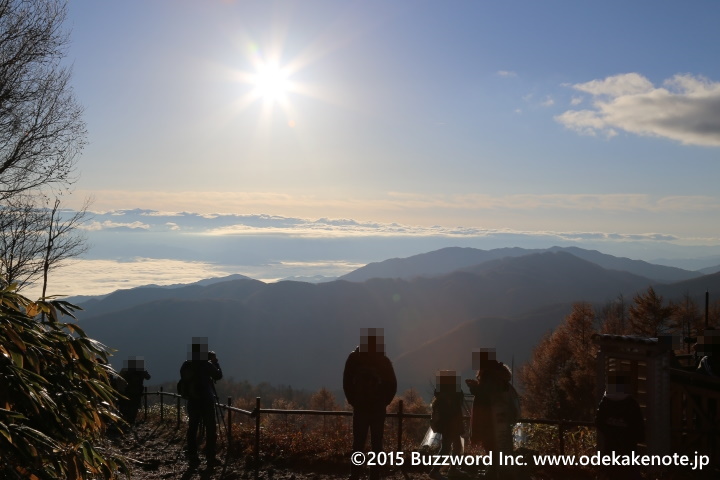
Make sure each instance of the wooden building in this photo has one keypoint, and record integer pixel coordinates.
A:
(680, 406)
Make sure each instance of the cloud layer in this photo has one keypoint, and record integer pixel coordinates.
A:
(142, 246)
(685, 108)
(137, 221)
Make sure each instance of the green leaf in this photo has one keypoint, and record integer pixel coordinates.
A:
(5, 432)
(17, 359)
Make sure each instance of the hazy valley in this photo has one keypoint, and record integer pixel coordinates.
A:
(435, 308)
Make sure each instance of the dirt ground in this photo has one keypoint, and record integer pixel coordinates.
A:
(155, 451)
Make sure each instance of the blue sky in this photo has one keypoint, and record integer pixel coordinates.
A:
(531, 121)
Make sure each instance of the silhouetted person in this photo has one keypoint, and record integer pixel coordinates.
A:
(200, 372)
(447, 417)
(494, 408)
(620, 424)
(134, 373)
(369, 384)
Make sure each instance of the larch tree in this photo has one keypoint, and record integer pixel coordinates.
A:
(560, 380)
(613, 317)
(648, 315)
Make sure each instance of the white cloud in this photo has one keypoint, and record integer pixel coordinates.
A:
(436, 205)
(101, 276)
(227, 243)
(617, 86)
(471, 204)
(110, 225)
(506, 73)
(686, 108)
(576, 101)
(548, 102)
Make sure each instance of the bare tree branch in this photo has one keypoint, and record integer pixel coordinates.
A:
(41, 127)
(35, 239)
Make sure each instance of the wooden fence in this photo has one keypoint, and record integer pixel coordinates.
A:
(258, 412)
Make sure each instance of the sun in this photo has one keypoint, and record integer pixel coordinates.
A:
(271, 82)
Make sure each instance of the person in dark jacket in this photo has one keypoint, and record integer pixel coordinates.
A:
(370, 385)
(201, 371)
(447, 418)
(620, 424)
(493, 411)
(134, 374)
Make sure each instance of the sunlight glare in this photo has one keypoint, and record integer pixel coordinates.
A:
(271, 82)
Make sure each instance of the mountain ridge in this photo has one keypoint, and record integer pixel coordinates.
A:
(448, 259)
(299, 333)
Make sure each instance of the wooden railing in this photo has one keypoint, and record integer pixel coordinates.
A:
(258, 412)
(695, 413)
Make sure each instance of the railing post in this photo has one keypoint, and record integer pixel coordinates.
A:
(400, 426)
(178, 410)
(145, 388)
(561, 433)
(257, 434)
(229, 424)
(162, 416)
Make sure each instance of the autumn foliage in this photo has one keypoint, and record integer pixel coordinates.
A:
(559, 380)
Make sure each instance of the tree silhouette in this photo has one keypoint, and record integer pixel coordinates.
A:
(613, 317)
(559, 379)
(648, 316)
(34, 239)
(41, 129)
(686, 318)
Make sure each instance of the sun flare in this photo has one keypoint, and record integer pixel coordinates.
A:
(271, 82)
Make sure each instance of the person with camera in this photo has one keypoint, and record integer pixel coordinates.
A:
(199, 374)
(134, 374)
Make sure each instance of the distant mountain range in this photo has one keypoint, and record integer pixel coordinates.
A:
(435, 307)
(450, 259)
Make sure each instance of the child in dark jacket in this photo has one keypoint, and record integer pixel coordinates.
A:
(447, 417)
